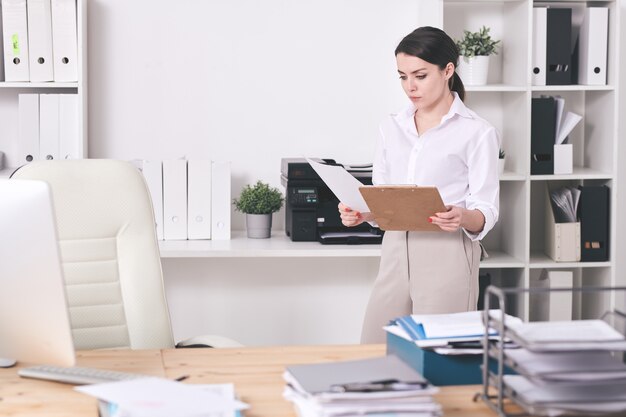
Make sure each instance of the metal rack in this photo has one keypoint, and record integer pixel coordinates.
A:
(504, 402)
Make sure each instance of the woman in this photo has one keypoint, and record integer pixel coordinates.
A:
(436, 141)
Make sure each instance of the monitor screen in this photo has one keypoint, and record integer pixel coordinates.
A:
(34, 319)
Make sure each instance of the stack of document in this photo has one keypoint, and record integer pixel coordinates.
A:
(447, 334)
(159, 397)
(567, 367)
(374, 387)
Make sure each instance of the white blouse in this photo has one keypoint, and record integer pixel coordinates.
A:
(459, 157)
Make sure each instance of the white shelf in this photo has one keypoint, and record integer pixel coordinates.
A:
(501, 260)
(580, 173)
(541, 260)
(495, 88)
(281, 246)
(512, 176)
(4, 84)
(278, 246)
(573, 88)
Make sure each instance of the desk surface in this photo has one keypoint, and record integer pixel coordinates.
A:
(256, 373)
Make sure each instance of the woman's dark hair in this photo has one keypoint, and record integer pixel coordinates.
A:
(436, 47)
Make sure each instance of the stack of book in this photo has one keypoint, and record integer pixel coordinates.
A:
(375, 387)
(568, 367)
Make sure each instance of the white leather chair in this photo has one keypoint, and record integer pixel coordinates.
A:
(110, 255)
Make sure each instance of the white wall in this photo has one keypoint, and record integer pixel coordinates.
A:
(251, 82)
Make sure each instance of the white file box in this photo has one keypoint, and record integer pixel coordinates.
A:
(564, 158)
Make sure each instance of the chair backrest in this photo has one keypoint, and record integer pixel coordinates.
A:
(109, 252)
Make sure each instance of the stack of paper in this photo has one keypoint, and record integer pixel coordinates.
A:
(564, 336)
(446, 334)
(376, 387)
(567, 367)
(156, 397)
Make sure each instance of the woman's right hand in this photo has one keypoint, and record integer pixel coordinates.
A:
(352, 218)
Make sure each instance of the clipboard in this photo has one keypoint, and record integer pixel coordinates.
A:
(403, 207)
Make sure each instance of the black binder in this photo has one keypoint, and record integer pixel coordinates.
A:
(593, 212)
(559, 47)
(542, 135)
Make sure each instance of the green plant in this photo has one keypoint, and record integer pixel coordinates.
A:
(501, 154)
(259, 199)
(477, 43)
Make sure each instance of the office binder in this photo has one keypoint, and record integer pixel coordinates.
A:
(49, 126)
(15, 40)
(220, 200)
(592, 46)
(64, 40)
(153, 173)
(175, 199)
(540, 27)
(199, 199)
(558, 46)
(69, 129)
(593, 213)
(28, 128)
(542, 135)
(40, 40)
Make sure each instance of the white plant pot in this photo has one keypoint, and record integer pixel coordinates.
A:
(259, 226)
(473, 70)
(501, 166)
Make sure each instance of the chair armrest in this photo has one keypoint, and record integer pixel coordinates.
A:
(214, 341)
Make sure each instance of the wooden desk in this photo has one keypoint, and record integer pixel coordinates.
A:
(256, 373)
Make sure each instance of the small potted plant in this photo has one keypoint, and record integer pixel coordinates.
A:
(475, 49)
(258, 202)
(501, 155)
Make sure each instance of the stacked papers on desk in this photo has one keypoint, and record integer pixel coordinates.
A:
(159, 397)
(448, 334)
(562, 336)
(554, 400)
(376, 387)
(586, 367)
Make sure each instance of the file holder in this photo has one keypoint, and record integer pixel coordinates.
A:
(564, 158)
(562, 240)
(502, 400)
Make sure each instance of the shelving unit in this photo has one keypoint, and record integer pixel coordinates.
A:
(506, 102)
(9, 92)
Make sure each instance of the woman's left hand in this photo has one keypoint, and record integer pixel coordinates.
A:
(450, 220)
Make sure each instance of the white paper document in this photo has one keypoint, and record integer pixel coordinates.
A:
(342, 184)
(158, 397)
(565, 122)
(573, 367)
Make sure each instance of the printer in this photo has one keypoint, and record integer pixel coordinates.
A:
(311, 212)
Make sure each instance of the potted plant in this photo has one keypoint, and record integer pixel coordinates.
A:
(475, 49)
(258, 202)
(501, 155)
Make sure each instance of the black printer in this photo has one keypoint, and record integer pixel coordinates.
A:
(311, 212)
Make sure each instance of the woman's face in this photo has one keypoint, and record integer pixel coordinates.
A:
(424, 83)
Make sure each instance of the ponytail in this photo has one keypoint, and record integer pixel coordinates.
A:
(456, 84)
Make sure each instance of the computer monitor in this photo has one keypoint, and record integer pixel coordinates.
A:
(34, 318)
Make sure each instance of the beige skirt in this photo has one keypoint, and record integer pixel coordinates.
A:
(422, 273)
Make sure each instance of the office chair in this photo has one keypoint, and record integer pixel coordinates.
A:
(110, 255)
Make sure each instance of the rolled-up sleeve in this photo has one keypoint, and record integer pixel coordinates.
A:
(483, 179)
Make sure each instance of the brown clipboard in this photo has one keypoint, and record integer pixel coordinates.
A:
(403, 207)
